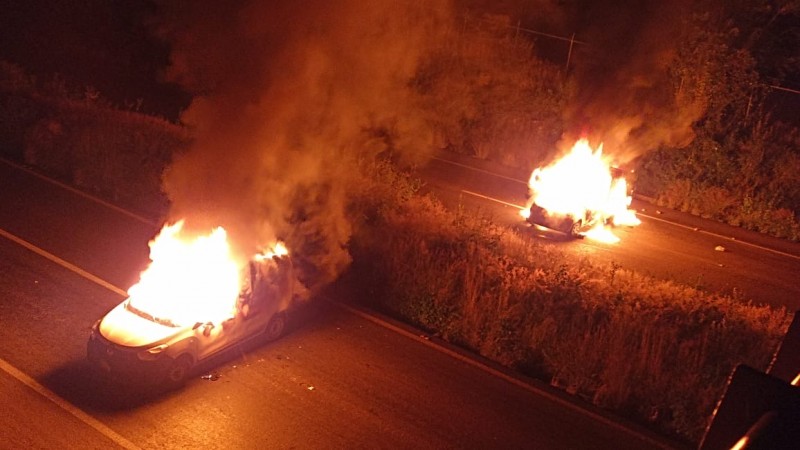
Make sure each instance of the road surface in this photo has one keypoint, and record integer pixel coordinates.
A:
(339, 380)
(668, 245)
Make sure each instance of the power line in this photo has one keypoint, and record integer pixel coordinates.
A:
(517, 27)
(781, 88)
(571, 40)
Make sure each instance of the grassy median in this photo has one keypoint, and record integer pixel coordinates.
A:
(651, 350)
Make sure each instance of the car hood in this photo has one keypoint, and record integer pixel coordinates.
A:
(123, 327)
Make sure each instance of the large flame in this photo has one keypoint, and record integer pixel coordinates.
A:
(581, 185)
(190, 279)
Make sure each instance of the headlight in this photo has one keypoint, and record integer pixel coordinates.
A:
(152, 353)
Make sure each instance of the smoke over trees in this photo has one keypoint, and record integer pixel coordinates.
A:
(290, 96)
(285, 96)
(685, 90)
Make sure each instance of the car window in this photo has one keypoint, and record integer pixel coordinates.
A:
(144, 315)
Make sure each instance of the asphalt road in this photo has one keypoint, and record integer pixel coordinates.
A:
(668, 245)
(338, 380)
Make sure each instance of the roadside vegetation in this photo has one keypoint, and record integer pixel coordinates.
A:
(76, 136)
(654, 351)
(490, 97)
(742, 167)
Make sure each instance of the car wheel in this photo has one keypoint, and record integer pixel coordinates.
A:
(575, 229)
(275, 327)
(179, 370)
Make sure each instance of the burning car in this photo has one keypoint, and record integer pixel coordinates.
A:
(178, 316)
(580, 194)
(569, 224)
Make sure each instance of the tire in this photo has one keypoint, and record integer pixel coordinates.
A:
(178, 371)
(276, 327)
(574, 229)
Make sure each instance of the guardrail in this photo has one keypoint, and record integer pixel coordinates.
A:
(761, 410)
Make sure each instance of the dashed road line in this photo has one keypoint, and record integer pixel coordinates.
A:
(492, 199)
(89, 420)
(33, 384)
(62, 262)
(687, 227)
(80, 193)
(76, 412)
(729, 238)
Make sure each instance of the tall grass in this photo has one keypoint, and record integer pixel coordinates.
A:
(723, 205)
(116, 154)
(79, 137)
(651, 350)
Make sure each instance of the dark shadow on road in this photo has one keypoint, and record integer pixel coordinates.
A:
(82, 385)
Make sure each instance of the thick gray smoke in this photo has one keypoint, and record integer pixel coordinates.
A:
(625, 96)
(284, 92)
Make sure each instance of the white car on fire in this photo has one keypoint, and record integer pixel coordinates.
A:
(133, 343)
(579, 193)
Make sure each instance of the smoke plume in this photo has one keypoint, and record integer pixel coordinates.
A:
(284, 92)
(625, 96)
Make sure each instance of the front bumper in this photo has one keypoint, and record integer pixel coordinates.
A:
(123, 363)
(540, 216)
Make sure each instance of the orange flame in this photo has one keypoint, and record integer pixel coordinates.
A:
(581, 185)
(189, 280)
(279, 249)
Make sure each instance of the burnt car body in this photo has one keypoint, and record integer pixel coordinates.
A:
(130, 345)
(574, 225)
(568, 224)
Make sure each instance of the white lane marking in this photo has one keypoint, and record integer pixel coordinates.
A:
(492, 371)
(78, 413)
(525, 182)
(709, 233)
(706, 232)
(492, 199)
(67, 406)
(80, 193)
(62, 263)
(43, 391)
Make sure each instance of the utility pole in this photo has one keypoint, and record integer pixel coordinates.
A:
(569, 53)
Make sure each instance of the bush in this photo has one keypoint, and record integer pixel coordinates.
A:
(651, 350)
(485, 96)
(116, 154)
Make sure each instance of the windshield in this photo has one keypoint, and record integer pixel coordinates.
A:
(144, 315)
